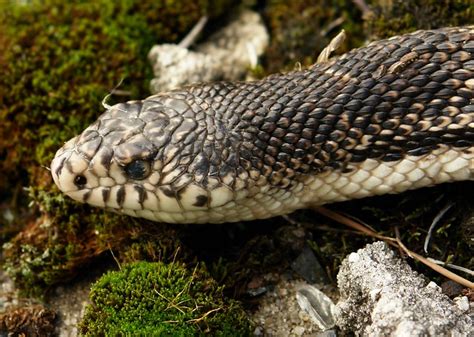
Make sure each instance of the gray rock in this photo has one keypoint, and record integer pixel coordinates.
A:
(382, 296)
(226, 55)
(308, 267)
(317, 305)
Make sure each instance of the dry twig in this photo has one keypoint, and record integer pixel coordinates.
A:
(395, 242)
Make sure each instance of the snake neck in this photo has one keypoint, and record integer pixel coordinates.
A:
(366, 105)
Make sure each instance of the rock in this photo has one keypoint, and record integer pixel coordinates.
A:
(226, 55)
(451, 288)
(317, 305)
(298, 330)
(308, 267)
(382, 296)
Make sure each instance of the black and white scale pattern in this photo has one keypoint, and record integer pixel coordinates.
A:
(395, 115)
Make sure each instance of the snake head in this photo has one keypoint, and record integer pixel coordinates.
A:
(142, 158)
(108, 163)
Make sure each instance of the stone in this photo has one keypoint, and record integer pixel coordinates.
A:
(382, 296)
(226, 55)
(308, 267)
(317, 305)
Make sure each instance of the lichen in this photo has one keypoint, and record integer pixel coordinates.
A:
(157, 299)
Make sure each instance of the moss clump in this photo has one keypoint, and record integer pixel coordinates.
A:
(157, 299)
(53, 246)
(399, 16)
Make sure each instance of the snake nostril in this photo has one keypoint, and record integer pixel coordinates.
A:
(80, 181)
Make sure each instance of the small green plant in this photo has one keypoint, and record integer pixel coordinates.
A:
(158, 299)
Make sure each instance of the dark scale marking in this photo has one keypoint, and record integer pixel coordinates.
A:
(106, 158)
(106, 195)
(86, 196)
(168, 191)
(201, 201)
(141, 194)
(120, 196)
(60, 167)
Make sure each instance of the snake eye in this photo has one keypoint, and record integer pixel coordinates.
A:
(138, 169)
(80, 181)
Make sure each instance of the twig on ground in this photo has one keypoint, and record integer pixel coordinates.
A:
(194, 33)
(396, 242)
(435, 223)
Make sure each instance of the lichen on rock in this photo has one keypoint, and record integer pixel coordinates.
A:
(226, 55)
(382, 296)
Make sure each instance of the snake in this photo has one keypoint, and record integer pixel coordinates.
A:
(394, 115)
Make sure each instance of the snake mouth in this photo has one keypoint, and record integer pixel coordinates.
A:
(69, 169)
(64, 176)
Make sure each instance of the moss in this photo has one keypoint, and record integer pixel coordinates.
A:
(57, 245)
(158, 299)
(397, 17)
(301, 29)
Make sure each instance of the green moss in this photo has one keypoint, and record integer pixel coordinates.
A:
(56, 246)
(157, 299)
(397, 17)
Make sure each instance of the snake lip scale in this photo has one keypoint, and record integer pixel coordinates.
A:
(395, 115)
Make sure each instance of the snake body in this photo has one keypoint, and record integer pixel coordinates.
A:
(395, 115)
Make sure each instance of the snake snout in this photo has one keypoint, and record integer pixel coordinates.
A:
(71, 172)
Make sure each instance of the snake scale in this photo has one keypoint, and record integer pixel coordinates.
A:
(395, 115)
